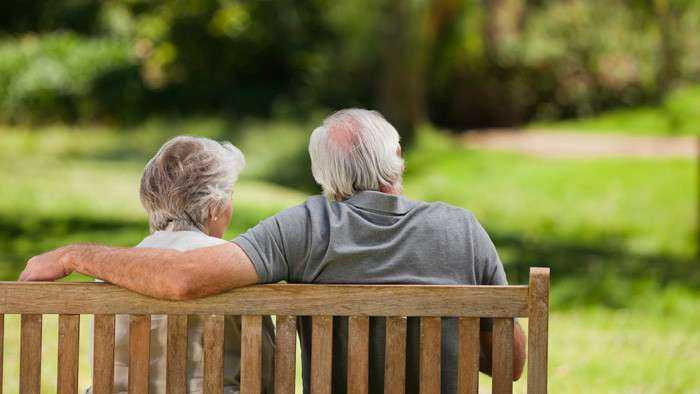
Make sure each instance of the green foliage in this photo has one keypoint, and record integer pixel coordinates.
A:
(53, 76)
(675, 116)
(552, 59)
(460, 64)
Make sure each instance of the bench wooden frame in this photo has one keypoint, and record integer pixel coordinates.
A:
(285, 301)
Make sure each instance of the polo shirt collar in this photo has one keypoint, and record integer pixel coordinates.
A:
(381, 202)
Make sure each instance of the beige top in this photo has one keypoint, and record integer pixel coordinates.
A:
(187, 240)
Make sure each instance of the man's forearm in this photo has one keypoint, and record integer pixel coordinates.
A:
(162, 273)
(519, 354)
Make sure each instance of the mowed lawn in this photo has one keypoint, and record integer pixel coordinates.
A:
(610, 228)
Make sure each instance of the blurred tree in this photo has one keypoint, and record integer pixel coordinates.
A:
(460, 64)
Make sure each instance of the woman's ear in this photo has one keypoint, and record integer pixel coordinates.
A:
(212, 211)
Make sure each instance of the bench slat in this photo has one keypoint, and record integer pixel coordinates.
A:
(251, 354)
(68, 353)
(321, 354)
(538, 331)
(358, 354)
(430, 355)
(395, 356)
(285, 354)
(139, 353)
(176, 371)
(2, 350)
(275, 299)
(213, 354)
(468, 364)
(502, 382)
(103, 355)
(30, 354)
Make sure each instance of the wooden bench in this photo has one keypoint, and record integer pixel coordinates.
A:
(285, 301)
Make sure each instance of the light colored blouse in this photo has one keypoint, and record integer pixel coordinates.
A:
(188, 240)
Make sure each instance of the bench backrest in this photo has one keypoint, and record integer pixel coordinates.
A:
(285, 301)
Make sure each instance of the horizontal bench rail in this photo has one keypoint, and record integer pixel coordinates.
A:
(289, 299)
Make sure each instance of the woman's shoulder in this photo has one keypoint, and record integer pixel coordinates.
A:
(179, 240)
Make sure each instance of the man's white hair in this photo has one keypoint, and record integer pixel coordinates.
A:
(355, 150)
(184, 177)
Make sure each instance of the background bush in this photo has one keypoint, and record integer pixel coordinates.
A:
(459, 64)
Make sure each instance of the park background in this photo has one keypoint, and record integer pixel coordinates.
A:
(89, 91)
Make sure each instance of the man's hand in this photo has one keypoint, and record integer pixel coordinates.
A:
(48, 266)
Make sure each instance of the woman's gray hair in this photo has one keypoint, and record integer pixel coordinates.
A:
(184, 177)
(355, 150)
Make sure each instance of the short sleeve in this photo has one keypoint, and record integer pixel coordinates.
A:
(277, 244)
(491, 268)
(486, 257)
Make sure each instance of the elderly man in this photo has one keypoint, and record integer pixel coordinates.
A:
(362, 231)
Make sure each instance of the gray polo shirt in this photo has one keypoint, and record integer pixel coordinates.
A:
(375, 238)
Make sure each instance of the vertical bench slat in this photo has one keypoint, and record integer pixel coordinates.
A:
(251, 354)
(430, 355)
(395, 355)
(139, 353)
(103, 355)
(176, 371)
(30, 354)
(538, 331)
(213, 354)
(2, 347)
(358, 354)
(321, 354)
(68, 353)
(285, 354)
(468, 369)
(502, 382)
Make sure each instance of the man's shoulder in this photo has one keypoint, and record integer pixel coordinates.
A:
(445, 208)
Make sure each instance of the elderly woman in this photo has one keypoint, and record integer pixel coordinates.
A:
(186, 190)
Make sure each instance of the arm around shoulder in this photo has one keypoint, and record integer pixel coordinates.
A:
(162, 273)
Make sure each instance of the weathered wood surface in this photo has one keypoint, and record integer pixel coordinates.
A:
(139, 353)
(321, 354)
(30, 354)
(468, 368)
(213, 349)
(103, 355)
(251, 354)
(502, 382)
(430, 355)
(285, 354)
(176, 374)
(358, 354)
(538, 331)
(68, 354)
(290, 299)
(395, 355)
(2, 350)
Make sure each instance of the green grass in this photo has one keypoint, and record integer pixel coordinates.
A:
(619, 234)
(593, 217)
(677, 115)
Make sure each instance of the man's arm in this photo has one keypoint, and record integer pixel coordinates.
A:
(519, 355)
(162, 273)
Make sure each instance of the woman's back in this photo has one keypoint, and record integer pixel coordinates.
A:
(187, 240)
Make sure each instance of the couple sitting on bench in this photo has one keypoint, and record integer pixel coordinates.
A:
(361, 231)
